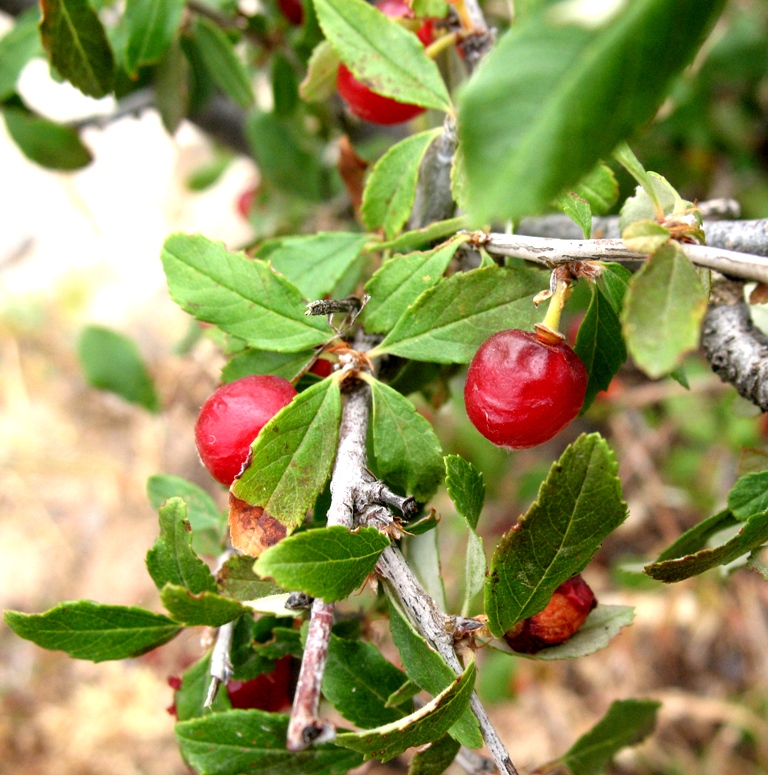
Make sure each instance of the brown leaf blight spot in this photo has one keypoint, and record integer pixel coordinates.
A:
(251, 529)
(352, 169)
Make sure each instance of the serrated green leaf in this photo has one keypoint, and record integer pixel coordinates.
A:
(249, 636)
(753, 534)
(599, 188)
(423, 726)
(578, 505)
(236, 579)
(422, 553)
(223, 63)
(389, 59)
(209, 524)
(448, 322)
(626, 723)
(319, 84)
(45, 142)
(243, 297)
(20, 44)
(203, 609)
(391, 187)
(663, 310)
(315, 263)
(641, 207)
(404, 693)
(406, 449)
(151, 26)
(87, 630)
(111, 361)
(425, 237)
(644, 236)
(172, 87)
(400, 281)
(239, 741)
(578, 210)
(425, 667)
(292, 456)
(358, 682)
(601, 627)
(77, 45)
(697, 537)
(475, 564)
(749, 495)
(517, 122)
(436, 759)
(189, 699)
(329, 562)
(172, 558)
(466, 488)
(285, 365)
(600, 345)
(614, 281)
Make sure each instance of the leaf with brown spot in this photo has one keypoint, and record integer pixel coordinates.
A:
(251, 530)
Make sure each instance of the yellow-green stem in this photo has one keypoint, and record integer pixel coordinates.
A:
(556, 304)
(446, 41)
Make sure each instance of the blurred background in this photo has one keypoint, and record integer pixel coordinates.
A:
(82, 249)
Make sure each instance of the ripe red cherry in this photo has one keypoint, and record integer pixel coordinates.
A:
(292, 10)
(564, 615)
(270, 691)
(321, 367)
(368, 105)
(231, 419)
(523, 388)
(245, 201)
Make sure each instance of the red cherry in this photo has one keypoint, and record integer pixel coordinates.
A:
(368, 105)
(245, 202)
(521, 391)
(564, 615)
(292, 10)
(270, 691)
(321, 367)
(231, 419)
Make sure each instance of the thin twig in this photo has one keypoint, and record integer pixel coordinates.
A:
(221, 663)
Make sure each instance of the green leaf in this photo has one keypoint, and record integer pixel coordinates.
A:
(151, 26)
(285, 365)
(236, 579)
(404, 693)
(293, 455)
(698, 536)
(239, 741)
(448, 322)
(87, 630)
(424, 726)
(315, 263)
(645, 236)
(391, 186)
(209, 526)
(475, 565)
(599, 188)
(172, 87)
(285, 87)
(111, 361)
(663, 311)
(749, 495)
(627, 722)
(600, 345)
(243, 297)
(204, 609)
(282, 158)
(223, 63)
(578, 210)
(389, 59)
(400, 281)
(602, 626)
(466, 488)
(750, 537)
(46, 143)
(407, 451)
(436, 8)
(614, 281)
(425, 237)
(425, 667)
(358, 681)
(319, 84)
(561, 90)
(757, 565)
(172, 558)
(436, 759)
(641, 207)
(329, 562)
(578, 505)
(20, 44)
(77, 45)
(189, 700)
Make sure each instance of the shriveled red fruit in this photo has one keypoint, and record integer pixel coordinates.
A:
(292, 10)
(564, 615)
(523, 388)
(321, 367)
(368, 105)
(270, 691)
(231, 419)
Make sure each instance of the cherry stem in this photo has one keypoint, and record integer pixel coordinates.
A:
(556, 304)
(442, 43)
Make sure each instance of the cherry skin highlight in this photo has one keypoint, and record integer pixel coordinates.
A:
(366, 104)
(231, 419)
(521, 391)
